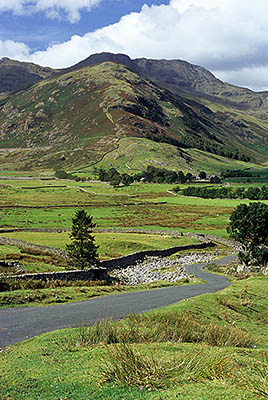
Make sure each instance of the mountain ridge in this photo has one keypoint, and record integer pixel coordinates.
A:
(80, 113)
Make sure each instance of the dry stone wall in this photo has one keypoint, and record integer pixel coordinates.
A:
(109, 265)
(131, 259)
(94, 274)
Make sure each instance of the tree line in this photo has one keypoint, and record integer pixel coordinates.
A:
(236, 173)
(251, 193)
(151, 174)
(190, 141)
(60, 174)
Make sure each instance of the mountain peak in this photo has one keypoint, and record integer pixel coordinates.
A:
(99, 58)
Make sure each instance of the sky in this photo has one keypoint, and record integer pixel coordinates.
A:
(228, 37)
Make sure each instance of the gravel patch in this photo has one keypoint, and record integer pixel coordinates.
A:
(159, 269)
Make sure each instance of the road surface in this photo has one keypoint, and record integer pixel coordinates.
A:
(17, 324)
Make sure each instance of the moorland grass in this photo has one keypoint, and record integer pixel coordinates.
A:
(106, 360)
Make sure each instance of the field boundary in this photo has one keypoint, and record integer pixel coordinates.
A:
(109, 265)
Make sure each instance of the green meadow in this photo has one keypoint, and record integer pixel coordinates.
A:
(51, 205)
(111, 245)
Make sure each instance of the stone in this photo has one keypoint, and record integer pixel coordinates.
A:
(156, 268)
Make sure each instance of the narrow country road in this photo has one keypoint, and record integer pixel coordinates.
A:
(17, 324)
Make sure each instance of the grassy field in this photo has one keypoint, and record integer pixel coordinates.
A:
(52, 204)
(111, 245)
(209, 347)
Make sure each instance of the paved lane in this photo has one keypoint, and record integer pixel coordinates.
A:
(17, 324)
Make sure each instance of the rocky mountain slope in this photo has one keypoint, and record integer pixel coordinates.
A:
(15, 75)
(78, 116)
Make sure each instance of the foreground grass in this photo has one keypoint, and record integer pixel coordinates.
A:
(209, 347)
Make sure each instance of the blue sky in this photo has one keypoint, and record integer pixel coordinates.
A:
(228, 37)
(38, 31)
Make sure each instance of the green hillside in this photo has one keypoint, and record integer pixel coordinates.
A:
(110, 110)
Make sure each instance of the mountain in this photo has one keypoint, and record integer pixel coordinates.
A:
(94, 112)
(16, 75)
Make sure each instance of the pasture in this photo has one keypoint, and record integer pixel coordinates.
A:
(42, 204)
(46, 205)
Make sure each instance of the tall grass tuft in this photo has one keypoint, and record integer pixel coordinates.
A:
(122, 365)
(227, 336)
(169, 327)
(256, 377)
(159, 328)
(202, 367)
(105, 332)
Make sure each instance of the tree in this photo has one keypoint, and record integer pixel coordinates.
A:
(126, 179)
(189, 177)
(253, 193)
(215, 179)
(181, 177)
(249, 226)
(82, 252)
(116, 180)
(202, 175)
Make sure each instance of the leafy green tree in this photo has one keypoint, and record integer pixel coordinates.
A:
(116, 180)
(253, 193)
(249, 226)
(181, 177)
(126, 179)
(189, 177)
(202, 175)
(215, 179)
(264, 193)
(82, 252)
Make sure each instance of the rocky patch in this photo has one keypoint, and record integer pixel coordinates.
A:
(155, 269)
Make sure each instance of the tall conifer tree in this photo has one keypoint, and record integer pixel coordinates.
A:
(82, 252)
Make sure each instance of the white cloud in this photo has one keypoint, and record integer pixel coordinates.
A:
(12, 5)
(255, 78)
(52, 8)
(71, 7)
(229, 37)
(16, 50)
